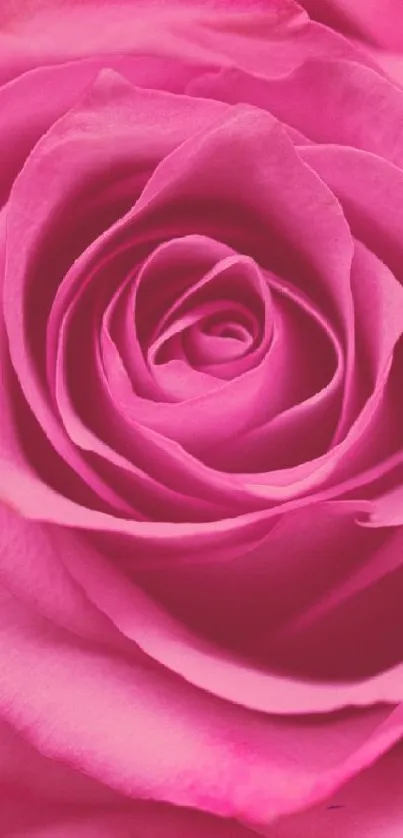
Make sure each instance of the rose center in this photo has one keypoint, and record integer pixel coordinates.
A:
(222, 337)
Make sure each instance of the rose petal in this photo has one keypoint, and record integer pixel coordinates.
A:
(272, 40)
(370, 804)
(185, 259)
(354, 604)
(327, 101)
(303, 602)
(154, 820)
(31, 569)
(305, 393)
(109, 90)
(379, 24)
(109, 724)
(48, 92)
(50, 791)
(59, 801)
(371, 203)
(207, 664)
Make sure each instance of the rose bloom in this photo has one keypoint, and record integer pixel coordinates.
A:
(201, 482)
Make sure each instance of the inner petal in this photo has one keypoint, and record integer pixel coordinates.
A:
(217, 321)
(219, 339)
(196, 331)
(134, 313)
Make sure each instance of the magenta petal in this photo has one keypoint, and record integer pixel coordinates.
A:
(155, 821)
(31, 190)
(53, 793)
(365, 19)
(139, 313)
(33, 571)
(201, 448)
(109, 723)
(48, 92)
(270, 40)
(165, 637)
(370, 202)
(301, 100)
(375, 582)
(60, 802)
(370, 804)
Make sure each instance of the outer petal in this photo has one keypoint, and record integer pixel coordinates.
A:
(145, 733)
(327, 101)
(59, 802)
(49, 790)
(268, 37)
(31, 568)
(370, 201)
(370, 805)
(139, 821)
(48, 92)
(377, 21)
(74, 567)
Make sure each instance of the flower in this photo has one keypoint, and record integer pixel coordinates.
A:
(201, 453)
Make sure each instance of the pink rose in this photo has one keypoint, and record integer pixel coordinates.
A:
(202, 422)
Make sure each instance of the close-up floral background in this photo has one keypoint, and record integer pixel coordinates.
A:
(201, 406)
